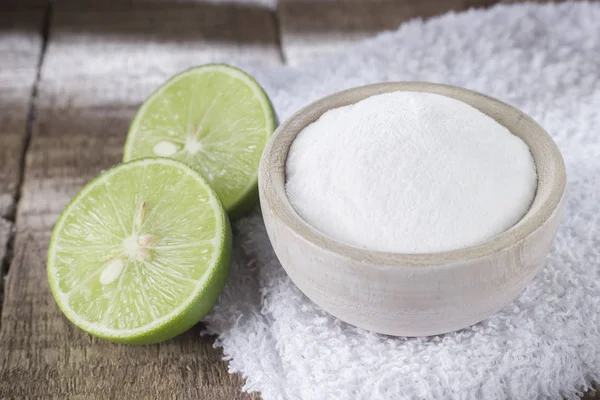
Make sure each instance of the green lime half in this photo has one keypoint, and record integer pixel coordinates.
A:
(216, 119)
(142, 253)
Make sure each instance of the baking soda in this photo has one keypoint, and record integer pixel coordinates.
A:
(409, 172)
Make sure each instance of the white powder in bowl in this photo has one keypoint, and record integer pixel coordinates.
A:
(409, 172)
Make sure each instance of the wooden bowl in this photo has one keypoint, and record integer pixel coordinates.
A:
(413, 294)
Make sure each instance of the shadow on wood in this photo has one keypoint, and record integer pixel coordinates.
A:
(161, 21)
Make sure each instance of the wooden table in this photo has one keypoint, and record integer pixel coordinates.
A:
(72, 73)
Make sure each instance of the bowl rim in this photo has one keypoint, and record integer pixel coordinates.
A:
(547, 158)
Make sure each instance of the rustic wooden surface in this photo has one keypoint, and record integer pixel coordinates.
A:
(20, 48)
(71, 76)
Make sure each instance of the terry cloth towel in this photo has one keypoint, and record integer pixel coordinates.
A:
(544, 59)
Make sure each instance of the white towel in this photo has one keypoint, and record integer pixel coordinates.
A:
(544, 59)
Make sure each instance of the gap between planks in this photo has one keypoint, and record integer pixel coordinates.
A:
(278, 38)
(9, 249)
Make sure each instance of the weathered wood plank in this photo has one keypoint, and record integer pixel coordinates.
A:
(265, 4)
(20, 47)
(13, 121)
(312, 29)
(99, 65)
(8, 5)
(105, 55)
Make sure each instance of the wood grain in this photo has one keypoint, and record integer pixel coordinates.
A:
(20, 46)
(99, 65)
(20, 5)
(103, 55)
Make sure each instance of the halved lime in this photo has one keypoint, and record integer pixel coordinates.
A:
(142, 253)
(216, 119)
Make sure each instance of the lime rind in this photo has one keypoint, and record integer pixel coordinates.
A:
(247, 197)
(191, 309)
